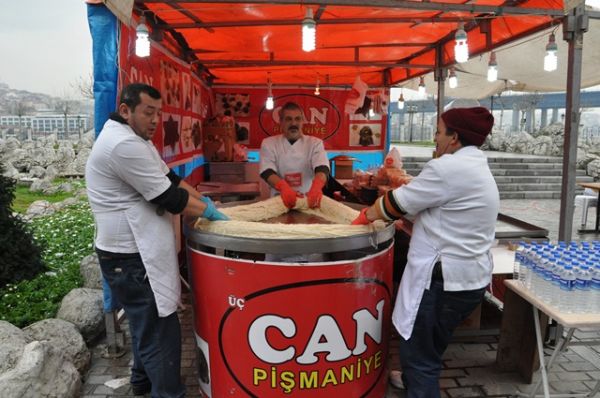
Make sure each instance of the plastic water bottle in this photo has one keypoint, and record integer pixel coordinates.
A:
(518, 261)
(550, 274)
(583, 288)
(524, 268)
(544, 276)
(567, 287)
(595, 287)
(537, 279)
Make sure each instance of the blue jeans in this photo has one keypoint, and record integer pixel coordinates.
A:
(155, 341)
(440, 312)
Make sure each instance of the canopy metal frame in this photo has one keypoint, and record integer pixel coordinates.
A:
(574, 24)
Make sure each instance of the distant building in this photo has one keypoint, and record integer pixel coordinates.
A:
(47, 123)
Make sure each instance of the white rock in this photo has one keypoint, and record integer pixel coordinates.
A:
(40, 372)
(84, 308)
(63, 336)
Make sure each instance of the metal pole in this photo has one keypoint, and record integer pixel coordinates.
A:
(440, 76)
(574, 25)
(411, 113)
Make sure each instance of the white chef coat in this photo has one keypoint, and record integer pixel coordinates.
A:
(295, 163)
(456, 201)
(123, 173)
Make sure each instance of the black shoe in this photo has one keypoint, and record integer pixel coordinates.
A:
(141, 389)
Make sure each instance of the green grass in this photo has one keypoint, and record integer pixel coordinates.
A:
(67, 236)
(24, 197)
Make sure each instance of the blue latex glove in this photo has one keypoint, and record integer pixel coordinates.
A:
(211, 213)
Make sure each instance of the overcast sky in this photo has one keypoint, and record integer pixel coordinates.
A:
(45, 45)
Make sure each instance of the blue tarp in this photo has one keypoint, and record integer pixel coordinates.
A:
(104, 31)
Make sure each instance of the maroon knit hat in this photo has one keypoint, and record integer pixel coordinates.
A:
(471, 124)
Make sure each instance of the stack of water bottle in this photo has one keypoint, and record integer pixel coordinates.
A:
(564, 275)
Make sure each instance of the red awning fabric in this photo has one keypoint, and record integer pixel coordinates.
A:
(240, 43)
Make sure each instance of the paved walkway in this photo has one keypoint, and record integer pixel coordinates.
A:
(469, 362)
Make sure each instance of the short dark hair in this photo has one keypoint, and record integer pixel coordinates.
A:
(289, 106)
(461, 139)
(130, 94)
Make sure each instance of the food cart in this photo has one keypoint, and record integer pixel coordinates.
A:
(219, 63)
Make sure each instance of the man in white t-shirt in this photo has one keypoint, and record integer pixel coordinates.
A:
(455, 201)
(293, 163)
(133, 196)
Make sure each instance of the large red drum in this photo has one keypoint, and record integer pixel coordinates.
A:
(274, 329)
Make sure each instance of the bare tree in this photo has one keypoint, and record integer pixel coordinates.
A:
(85, 86)
(65, 106)
(21, 109)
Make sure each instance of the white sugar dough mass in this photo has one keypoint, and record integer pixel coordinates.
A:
(245, 221)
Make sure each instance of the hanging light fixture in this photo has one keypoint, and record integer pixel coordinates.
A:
(317, 88)
(422, 90)
(142, 43)
(270, 102)
(401, 101)
(461, 48)
(550, 60)
(452, 80)
(492, 74)
(309, 31)
(371, 113)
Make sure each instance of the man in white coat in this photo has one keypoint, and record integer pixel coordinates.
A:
(455, 200)
(129, 188)
(293, 163)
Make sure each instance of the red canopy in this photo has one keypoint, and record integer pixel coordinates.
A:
(385, 41)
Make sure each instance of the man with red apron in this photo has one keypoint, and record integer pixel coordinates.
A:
(133, 196)
(293, 163)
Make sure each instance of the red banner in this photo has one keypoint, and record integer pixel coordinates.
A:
(269, 330)
(185, 100)
(324, 116)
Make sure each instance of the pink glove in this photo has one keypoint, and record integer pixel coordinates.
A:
(288, 195)
(362, 218)
(315, 193)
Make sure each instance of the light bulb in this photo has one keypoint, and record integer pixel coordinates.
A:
(401, 102)
(453, 82)
(317, 91)
(309, 31)
(492, 74)
(371, 112)
(421, 89)
(270, 103)
(551, 60)
(142, 43)
(461, 48)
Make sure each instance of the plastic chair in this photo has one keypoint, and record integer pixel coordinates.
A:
(587, 200)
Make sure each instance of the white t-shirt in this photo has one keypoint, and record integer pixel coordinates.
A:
(295, 163)
(122, 169)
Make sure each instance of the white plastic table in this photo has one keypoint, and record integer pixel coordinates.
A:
(570, 321)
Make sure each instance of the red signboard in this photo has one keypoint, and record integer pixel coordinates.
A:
(185, 100)
(324, 116)
(272, 330)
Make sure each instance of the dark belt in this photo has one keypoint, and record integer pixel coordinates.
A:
(115, 256)
(437, 275)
